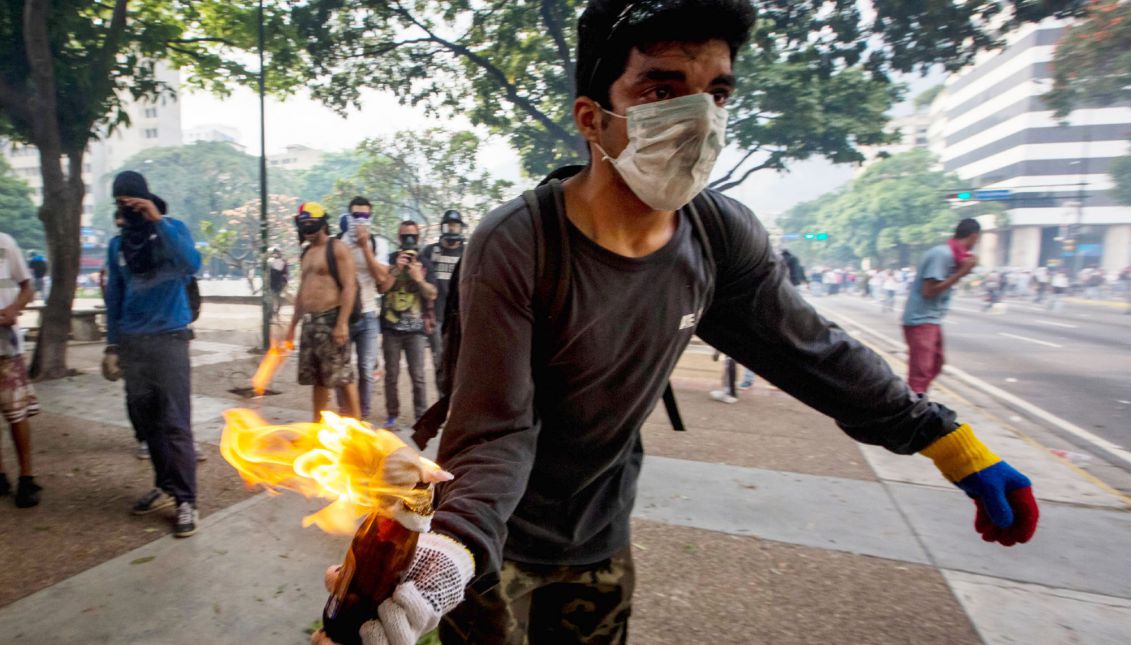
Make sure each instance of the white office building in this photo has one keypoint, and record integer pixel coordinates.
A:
(991, 127)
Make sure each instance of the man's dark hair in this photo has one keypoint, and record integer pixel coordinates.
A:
(409, 222)
(966, 228)
(360, 201)
(609, 29)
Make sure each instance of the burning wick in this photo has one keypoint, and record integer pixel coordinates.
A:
(276, 355)
(361, 469)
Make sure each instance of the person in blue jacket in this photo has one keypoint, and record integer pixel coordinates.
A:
(149, 266)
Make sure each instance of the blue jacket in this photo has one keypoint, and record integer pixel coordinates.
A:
(155, 303)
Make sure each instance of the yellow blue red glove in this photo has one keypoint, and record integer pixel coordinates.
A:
(1007, 512)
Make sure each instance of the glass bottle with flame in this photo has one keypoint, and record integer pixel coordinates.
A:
(377, 560)
(368, 473)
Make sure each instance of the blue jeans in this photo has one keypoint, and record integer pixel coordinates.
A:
(413, 347)
(363, 335)
(158, 386)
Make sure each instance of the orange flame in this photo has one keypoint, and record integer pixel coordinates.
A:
(362, 469)
(276, 355)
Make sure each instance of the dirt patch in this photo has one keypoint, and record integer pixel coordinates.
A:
(766, 428)
(91, 478)
(696, 586)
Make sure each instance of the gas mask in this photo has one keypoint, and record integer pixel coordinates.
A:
(408, 241)
(310, 226)
(672, 148)
(451, 232)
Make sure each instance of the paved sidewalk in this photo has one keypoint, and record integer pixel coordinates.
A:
(761, 524)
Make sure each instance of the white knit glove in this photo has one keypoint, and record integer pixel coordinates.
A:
(433, 586)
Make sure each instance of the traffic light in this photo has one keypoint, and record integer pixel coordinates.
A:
(962, 195)
(822, 236)
(816, 236)
(810, 236)
(1068, 246)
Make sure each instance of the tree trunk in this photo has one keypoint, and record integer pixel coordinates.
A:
(61, 214)
(62, 195)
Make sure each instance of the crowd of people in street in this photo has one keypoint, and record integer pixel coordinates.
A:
(1046, 285)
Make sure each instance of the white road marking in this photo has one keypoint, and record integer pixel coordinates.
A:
(1010, 380)
(1123, 402)
(1031, 340)
(1017, 402)
(969, 311)
(1057, 324)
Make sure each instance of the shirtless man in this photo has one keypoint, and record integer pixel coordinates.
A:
(323, 304)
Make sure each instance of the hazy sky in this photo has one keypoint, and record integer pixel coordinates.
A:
(302, 120)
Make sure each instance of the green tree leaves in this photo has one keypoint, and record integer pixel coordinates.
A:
(419, 175)
(815, 80)
(1092, 63)
(17, 213)
(198, 181)
(891, 211)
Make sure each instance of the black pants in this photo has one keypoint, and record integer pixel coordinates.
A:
(158, 386)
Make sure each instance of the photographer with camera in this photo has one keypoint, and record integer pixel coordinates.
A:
(407, 318)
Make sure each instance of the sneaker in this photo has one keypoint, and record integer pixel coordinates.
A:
(200, 454)
(186, 520)
(5, 485)
(390, 424)
(142, 451)
(154, 500)
(746, 385)
(27, 493)
(722, 397)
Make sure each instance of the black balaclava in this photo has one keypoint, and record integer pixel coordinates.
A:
(141, 246)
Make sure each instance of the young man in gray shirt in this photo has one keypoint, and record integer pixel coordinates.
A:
(543, 437)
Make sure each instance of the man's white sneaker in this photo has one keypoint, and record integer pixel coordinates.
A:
(722, 397)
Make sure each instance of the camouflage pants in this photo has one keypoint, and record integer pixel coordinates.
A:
(545, 604)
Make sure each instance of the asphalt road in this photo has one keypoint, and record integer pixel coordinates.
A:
(1074, 363)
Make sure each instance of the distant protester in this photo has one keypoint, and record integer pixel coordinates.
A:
(18, 402)
(150, 265)
(929, 300)
(327, 291)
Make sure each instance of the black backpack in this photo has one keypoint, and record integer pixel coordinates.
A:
(192, 290)
(332, 267)
(547, 210)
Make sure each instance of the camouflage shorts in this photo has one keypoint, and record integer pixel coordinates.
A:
(17, 396)
(536, 604)
(321, 361)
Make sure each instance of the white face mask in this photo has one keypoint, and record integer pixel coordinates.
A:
(672, 148)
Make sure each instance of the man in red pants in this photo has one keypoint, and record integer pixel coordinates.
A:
(929, 300)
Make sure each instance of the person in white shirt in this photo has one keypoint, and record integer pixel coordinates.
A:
(18, 402)
(370, 272)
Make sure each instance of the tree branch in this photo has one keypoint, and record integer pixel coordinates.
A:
(189, 41)
(45, 122)
(723, 187)
(735, 167)
(100, 76)
(511, 89)
(385, 49)
(554, 26)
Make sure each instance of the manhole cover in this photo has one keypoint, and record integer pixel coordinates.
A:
(248, 393)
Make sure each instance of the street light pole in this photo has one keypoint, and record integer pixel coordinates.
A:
(263, 192)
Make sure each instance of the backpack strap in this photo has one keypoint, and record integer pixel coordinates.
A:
(332, 263)
(708, 225)
(551, 236)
